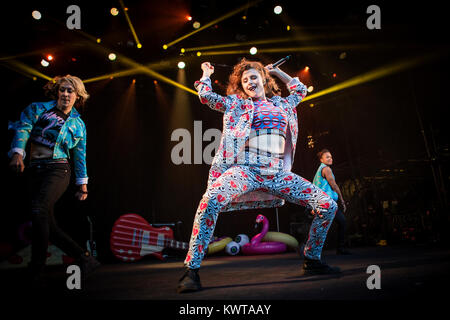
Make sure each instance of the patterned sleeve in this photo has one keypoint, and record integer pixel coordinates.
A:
(297, 92)
(211, 99)
(23, 129)
(79, 157)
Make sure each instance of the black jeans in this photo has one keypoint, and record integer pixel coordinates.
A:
(48, 184)
(340, 220)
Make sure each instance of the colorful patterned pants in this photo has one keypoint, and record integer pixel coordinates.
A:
(240, 179)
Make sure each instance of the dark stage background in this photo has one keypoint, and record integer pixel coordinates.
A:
(373, 129)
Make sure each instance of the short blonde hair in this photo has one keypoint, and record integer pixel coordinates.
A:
(52, 87)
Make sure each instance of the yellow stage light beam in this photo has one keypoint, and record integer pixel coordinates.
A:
(125, 12)
(29, 70)
(375, 74)
(226, 16)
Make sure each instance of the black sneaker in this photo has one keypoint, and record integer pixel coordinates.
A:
(189, 282)
(343, 251)
(313, 267)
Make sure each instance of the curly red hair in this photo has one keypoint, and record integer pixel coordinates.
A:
(235, 85)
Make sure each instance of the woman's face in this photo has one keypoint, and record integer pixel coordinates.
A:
(66, 95)
(327, 159)
(253, 84)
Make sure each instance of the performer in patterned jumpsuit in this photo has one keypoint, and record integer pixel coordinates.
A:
(252, 168)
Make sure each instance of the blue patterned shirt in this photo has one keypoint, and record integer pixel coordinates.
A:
(72, 136)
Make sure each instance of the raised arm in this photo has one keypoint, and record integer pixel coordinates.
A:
(296, 89)
(207, 96)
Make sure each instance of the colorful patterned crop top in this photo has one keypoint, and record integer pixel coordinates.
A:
(268, 119)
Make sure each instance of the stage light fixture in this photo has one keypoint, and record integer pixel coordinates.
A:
(134, 81)
(155, 82)
(196, 25)
(139, 45)
(343, 55)
(112, 56)
(189, 18)
(49, 57)
(114, 11)
(288, 28)
(199, 53)
(182, 50)
(44, 63)
(34, 78)
(181, 65)
(310, 89)
(36, 15)
(244, 17)
(277, 9)
(253, 50)
(306, 68)
(334, 75)
(99, 40)
(165, 47)
(311, 105)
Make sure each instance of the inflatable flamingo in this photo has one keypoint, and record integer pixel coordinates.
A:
(255, 246)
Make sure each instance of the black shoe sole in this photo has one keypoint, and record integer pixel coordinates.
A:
(324, 271)
(184, 289)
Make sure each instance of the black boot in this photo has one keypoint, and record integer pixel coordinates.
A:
(35, 277)
(88, 264)
(189, 282)
(313, 267)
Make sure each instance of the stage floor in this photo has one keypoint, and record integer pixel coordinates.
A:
(406, 272)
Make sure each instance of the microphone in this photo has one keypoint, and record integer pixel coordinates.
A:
(281, 61)
(220, 65)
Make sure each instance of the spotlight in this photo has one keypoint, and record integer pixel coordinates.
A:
(199, 53)
(139, 45)
(334, 75)
(311, 105)
(306, 68)
(114, 11)
(155, 82)
(181, 65)
(49, 57)
(99, 40)
(288, 28)
(196, 25)
(244, 17)
(44, 63)
(183, 50)
(189, 18)
(134, 81)
(343, 55)
(253, 50)
(310, 89)
(34, 78)
(36, 15)
(165, 47)
(277, 9)
(112, 56)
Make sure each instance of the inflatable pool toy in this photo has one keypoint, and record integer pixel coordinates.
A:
(232, 248)
(255, 246)
(242, 239)
(289, 240)
(218, 245)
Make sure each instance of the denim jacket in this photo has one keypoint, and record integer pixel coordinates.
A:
(72, 136)
(237, 120)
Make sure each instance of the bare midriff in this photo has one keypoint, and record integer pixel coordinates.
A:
(272, 143)
(40, 152)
